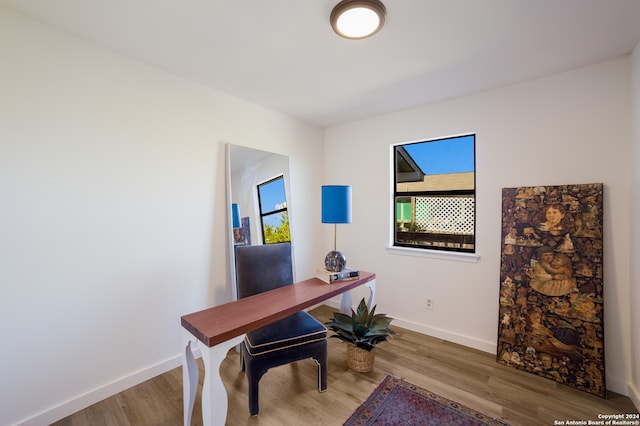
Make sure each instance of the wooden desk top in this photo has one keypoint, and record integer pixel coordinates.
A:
(221, 323)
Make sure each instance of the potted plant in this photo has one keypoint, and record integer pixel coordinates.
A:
(363, 330)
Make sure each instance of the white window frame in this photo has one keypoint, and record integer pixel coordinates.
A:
(414, 251)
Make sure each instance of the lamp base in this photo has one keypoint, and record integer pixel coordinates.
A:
(335, 261)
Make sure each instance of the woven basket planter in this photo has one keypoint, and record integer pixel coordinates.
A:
(360, 360)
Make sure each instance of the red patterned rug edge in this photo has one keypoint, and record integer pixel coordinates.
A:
(365, 412)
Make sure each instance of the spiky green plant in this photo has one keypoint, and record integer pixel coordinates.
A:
(363, 328)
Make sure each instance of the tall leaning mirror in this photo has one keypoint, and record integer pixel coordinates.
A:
(258, 200)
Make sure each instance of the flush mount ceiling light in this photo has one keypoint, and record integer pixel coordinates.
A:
(356, 19)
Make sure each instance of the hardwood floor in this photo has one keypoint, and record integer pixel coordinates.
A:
(289, 394)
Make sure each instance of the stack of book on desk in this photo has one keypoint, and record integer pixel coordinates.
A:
(332, 277)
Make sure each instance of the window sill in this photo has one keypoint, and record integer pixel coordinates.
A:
(435, 254)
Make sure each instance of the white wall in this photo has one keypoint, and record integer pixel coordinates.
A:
(569, 128)
(634, 300)
(113, 217)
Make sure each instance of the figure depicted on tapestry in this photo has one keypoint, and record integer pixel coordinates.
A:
(551, 284)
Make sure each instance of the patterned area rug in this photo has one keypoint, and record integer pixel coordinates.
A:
(396, 402)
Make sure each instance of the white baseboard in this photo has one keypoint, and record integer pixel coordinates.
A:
(617, 385)
(436, 332)
(87, 399)
(460, 339)
(614, 384)
(634, 395)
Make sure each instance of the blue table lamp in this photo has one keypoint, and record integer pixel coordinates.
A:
(235, 216)
(336, 208)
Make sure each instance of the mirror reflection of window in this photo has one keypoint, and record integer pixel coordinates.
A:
(274, 215)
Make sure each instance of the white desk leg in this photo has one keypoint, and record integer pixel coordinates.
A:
(372, 296)
(214, 395)
(189, 380)
(345, 301)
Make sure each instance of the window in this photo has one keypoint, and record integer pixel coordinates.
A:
(434, 194)
(274, 215)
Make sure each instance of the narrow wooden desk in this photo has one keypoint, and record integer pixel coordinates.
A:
(216, 330)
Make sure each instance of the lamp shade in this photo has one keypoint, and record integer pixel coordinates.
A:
(235, 215)
(336, 204)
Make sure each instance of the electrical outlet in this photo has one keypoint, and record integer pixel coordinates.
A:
(428, 303)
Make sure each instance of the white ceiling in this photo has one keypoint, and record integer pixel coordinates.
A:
(283, 55)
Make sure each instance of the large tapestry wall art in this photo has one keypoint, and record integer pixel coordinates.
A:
(551, 284)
